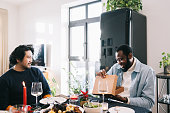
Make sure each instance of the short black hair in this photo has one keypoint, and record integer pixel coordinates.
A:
(125, 48)
(19, 53)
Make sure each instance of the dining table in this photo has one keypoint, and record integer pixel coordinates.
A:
(111, 103)
(114, 103)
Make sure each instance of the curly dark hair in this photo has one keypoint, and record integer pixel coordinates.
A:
(125, 48)
(19, 53)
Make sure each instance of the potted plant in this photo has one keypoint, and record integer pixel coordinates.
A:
(75, 84)
(135, 5)
(165, 62)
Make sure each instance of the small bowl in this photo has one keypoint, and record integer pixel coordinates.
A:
(93, 110)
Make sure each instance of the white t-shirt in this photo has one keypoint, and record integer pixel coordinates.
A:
(126, 82)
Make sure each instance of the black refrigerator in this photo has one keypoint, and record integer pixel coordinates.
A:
(122, 26)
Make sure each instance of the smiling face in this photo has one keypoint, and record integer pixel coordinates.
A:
(27, 60)
(123, 60)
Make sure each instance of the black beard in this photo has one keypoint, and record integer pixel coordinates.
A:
(127, 66)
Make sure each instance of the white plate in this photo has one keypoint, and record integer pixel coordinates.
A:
(51, 100)
(121, 110)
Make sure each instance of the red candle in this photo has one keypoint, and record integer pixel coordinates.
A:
(24, 94)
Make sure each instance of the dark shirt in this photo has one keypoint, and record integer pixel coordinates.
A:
(11, 87)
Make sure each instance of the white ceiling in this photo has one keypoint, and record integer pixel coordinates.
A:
(16, 2)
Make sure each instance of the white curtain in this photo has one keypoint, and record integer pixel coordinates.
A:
(3, 41)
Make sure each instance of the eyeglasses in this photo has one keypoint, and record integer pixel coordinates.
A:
(120, 59)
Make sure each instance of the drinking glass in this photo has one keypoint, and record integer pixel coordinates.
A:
(73, 99)
(102, 87)
(105, 106)
(36, 90)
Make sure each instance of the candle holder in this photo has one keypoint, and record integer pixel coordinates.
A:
(73, 99)
(20, 108)
(105, 106)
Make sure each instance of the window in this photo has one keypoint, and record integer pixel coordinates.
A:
(84, 42)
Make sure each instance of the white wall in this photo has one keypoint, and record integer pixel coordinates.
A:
(158, 32)
(12, 24)
(48, 12)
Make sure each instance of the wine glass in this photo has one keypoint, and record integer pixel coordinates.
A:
(102, 87)
(36, 90)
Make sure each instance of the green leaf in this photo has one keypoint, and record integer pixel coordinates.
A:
(168, 55)
(160, 64)
(163, 53)
(132, 4)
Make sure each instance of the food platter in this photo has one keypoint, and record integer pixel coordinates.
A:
(68, 108)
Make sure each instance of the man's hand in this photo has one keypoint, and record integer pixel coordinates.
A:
(123, 99)
(102, 73)
(117, 97)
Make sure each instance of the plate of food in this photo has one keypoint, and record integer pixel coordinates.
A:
(53, 100)
(119, 109)
(64, 108)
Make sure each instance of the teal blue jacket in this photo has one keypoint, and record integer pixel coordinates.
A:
(142, 89)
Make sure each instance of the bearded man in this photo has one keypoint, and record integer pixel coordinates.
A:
(137, 79)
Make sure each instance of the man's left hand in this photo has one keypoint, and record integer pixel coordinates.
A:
(118, 97)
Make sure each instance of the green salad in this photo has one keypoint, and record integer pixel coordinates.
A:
(92, 105)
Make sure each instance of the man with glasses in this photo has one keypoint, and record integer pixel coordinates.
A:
(137, 79)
